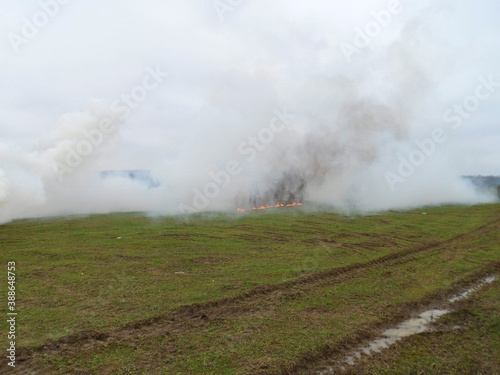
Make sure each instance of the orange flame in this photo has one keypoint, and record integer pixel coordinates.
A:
(265, 207)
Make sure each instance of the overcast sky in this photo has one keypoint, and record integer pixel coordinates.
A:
(229, 68)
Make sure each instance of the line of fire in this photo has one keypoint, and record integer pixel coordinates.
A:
(287, 191)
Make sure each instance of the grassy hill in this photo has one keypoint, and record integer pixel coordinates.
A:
(267, 292)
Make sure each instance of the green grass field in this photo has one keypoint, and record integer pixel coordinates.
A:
(264, 293)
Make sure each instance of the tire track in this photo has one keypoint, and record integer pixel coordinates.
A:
(331, 353)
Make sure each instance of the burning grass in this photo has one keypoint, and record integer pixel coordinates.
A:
(268, 206)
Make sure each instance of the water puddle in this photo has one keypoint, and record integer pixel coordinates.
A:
(407, 328)
(465, 294)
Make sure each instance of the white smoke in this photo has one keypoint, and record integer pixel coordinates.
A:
(352, 121)
(4, 187)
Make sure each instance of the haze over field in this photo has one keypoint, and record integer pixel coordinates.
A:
(369, 105)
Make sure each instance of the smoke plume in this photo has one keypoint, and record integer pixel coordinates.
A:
(261, 105)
